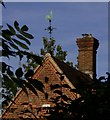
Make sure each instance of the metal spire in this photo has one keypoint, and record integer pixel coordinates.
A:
(50, 28)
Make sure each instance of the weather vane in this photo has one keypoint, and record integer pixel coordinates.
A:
(50, 28)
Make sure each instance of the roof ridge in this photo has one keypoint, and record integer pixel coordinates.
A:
(75, 76)
(47, 55)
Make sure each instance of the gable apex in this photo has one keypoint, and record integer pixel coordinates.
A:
(47, 55)
(72, 76)
(56, 66)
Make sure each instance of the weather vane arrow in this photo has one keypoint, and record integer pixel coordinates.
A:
(49, 28)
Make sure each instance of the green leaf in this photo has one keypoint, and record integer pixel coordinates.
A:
(14, 46)
(4, 66)
(8, 98)
(6, 36)
(31, 87)
(16, 25)
(16, 80)
(29, 55)
(24, 89)
(19, 72)
(58, 92)
(11, 86)
(23, 38)
(4, 53)
(21, 83)
(9, 72)
(27, 35)
(6, 78)
(5, 103)
(7, 53)
(37, 59)
(21, 44)
(64, 97)
(29, 74)
(7, 32)
(5, 46)
(55, 86)
(20, 54)
(11, 29)
(24, 28)
(37, 84)
(65, 86)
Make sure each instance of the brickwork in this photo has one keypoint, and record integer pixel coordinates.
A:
(46, 73)
(87, 54)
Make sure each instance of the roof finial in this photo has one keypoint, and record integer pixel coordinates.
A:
(50, 28)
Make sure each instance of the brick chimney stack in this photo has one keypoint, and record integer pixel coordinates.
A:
(88, 46)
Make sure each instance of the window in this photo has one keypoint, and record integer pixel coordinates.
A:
(46, 109)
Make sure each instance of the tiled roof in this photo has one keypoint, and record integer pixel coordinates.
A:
(76, 77)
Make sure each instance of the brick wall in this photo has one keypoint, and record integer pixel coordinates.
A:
(47, 75)
(87, 54)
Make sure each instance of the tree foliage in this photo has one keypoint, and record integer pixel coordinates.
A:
(15, 41)
(93, 103)
(53, 49)
(49, 46)
(30, 64)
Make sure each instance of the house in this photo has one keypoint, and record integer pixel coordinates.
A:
(49, 73)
